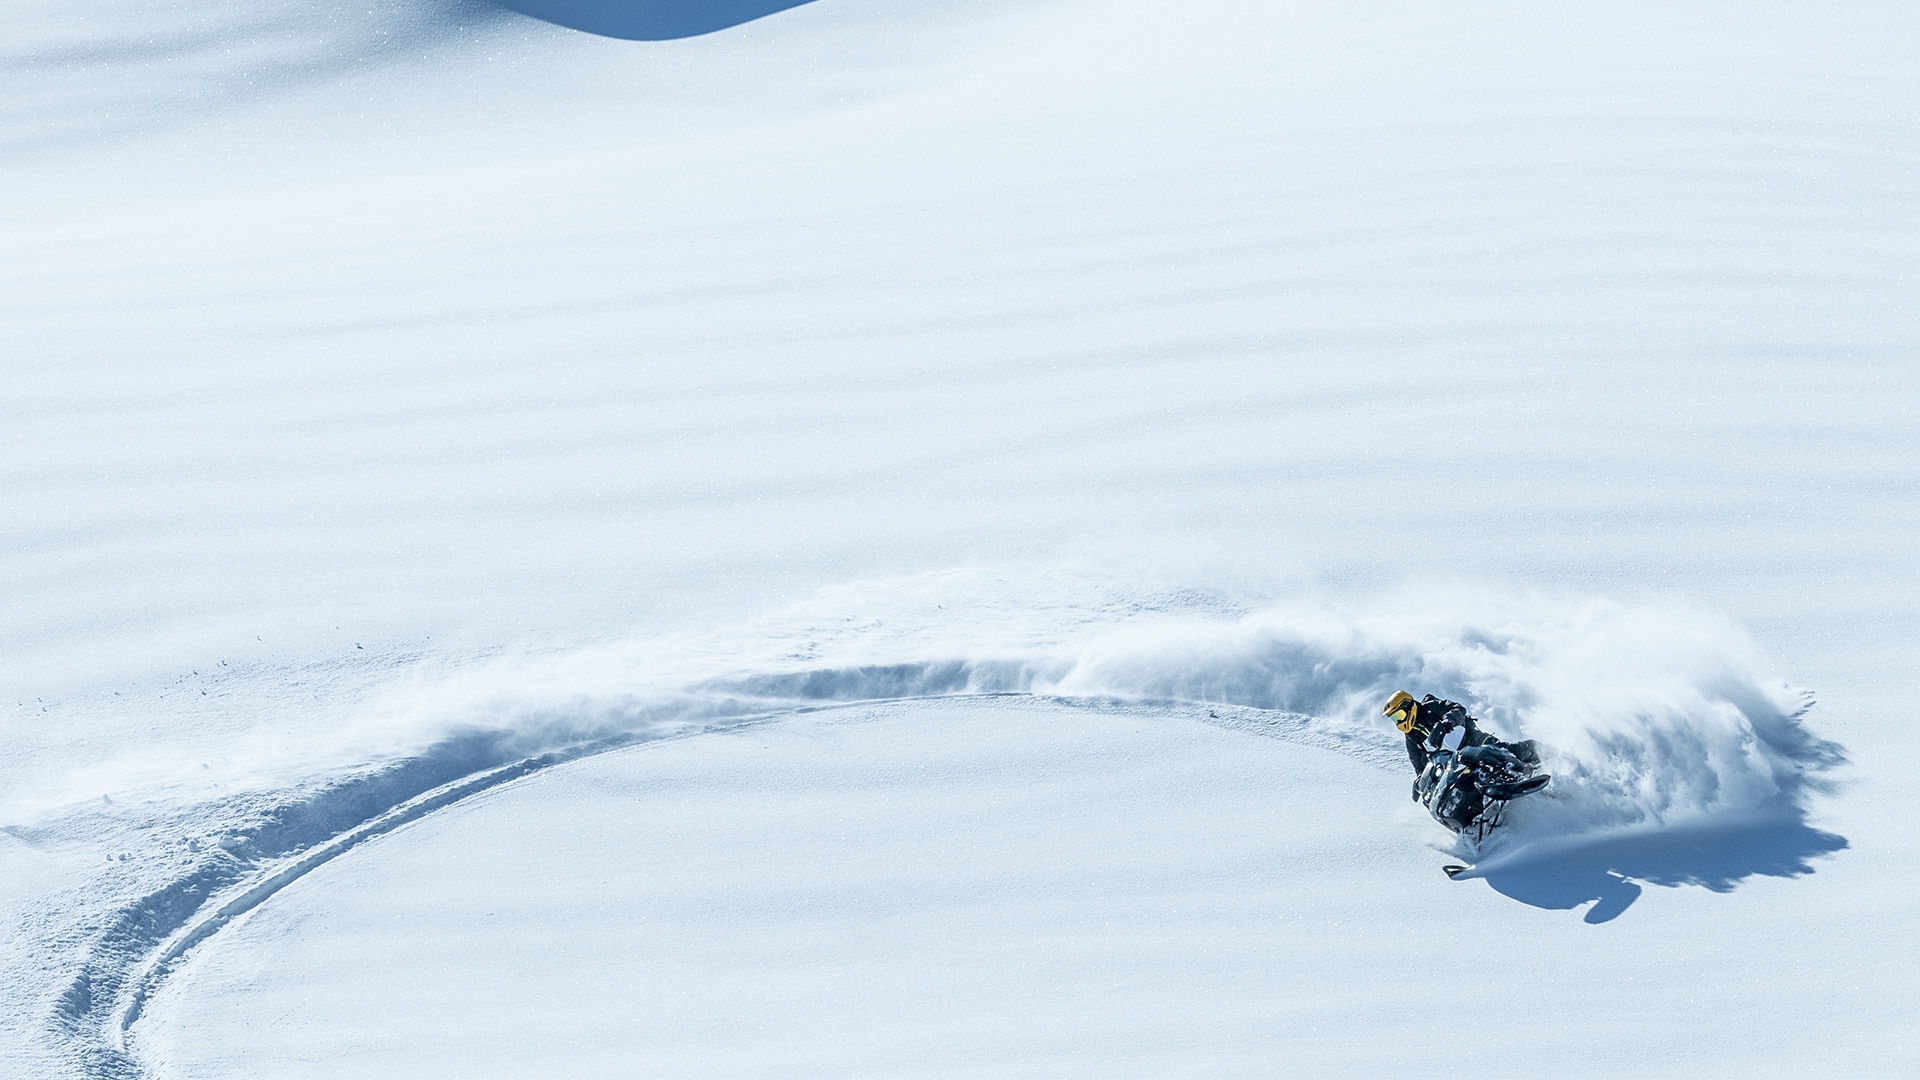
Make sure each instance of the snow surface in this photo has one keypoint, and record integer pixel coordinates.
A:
(413, 411)
(987, 888)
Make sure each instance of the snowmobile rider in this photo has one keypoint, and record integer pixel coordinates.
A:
(1433, 723)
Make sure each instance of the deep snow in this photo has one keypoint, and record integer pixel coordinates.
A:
(979, 888)
(393, 396)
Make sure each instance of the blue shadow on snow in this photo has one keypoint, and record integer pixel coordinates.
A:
(1608, 871)
(648, 20)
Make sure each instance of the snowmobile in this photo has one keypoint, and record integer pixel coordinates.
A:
(1468, 790)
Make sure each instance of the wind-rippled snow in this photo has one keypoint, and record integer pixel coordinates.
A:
(395, 394)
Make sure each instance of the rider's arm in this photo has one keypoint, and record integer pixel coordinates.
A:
(1448, 734)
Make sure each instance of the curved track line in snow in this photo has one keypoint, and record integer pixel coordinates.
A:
(151, 934)
(147, 937)
(255, 894)
(102, 1028)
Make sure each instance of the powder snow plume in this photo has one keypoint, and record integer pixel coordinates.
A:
(1649, 713)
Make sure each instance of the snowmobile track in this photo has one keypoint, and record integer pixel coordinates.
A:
(149, 938)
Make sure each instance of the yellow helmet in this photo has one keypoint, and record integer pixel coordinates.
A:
(1402, 708)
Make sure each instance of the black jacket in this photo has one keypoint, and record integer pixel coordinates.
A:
(1432, 721)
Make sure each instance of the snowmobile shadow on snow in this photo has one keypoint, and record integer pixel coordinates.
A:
(1609, 871)
(648, 20)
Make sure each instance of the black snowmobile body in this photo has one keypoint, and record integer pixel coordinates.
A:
(1468, 790)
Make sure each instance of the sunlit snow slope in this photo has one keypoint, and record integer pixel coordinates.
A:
(407, 405)
(977, 889)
